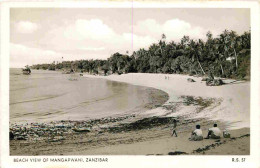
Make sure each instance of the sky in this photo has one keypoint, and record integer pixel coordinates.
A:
(44, 35)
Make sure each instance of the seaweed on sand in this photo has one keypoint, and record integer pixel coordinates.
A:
(177, 153)
(144, 123)
(217, 143)
(198, 101)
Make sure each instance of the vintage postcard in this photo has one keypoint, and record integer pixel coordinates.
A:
(133, 84)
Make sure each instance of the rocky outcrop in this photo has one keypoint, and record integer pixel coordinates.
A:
(190, 80)
(214, 82)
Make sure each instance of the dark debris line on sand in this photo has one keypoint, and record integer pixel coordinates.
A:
(171, 153)
(145, 123)
(177, 153)
(218, 143)
(208, 147)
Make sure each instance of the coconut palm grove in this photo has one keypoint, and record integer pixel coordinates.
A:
(227, 56)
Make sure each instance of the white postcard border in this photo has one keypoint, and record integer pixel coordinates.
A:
(135, 161)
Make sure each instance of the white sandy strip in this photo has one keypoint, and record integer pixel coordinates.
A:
(234, 109)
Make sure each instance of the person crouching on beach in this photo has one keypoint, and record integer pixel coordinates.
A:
(174, 127)
(214, 132)
(196, 135)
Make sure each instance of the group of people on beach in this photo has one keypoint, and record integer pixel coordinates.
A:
(196, 135)
(213, 133)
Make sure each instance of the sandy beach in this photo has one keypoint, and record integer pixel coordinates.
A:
(233, 98)
(149, 132)
(230, 109)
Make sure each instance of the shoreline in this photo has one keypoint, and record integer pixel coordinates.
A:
(144, 133)
(112, 94)
(231, 99)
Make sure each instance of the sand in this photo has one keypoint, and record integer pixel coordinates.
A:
(234, 96)
(191, 103)
(232, 110)
(153, 141)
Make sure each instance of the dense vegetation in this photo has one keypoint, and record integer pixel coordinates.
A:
(227, 55)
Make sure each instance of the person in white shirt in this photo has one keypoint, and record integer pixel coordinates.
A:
(214, 132)
(196, 135)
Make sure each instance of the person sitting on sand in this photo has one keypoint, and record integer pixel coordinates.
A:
(174, 127)
(196, 135)
(214, 132)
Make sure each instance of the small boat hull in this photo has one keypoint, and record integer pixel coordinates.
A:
(81, 129)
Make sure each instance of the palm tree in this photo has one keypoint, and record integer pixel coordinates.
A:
(163, 37)
(218, 57)
(213, 48)
(235, 43)
(200, 47)
(246, 40)
(185, 42)
(222, 48)
(195, 51)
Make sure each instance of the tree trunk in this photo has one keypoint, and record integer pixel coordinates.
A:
(222, 69)
(196, 72)
(201, 67)
(236, 58)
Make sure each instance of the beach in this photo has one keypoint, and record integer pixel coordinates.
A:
(234, 97)
(148, 132)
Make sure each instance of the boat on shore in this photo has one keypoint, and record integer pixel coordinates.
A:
(26, 70)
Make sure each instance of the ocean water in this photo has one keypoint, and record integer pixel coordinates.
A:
(46, 96)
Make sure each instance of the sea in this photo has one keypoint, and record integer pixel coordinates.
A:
(46, 96)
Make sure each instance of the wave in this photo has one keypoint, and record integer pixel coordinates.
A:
(36, 99)
(98, 100)
(40, 114)
(23, 88)
(91, 102)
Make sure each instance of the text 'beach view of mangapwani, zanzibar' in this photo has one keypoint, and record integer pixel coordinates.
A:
(129, 81)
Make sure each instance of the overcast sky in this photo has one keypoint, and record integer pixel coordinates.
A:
(46, 35)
